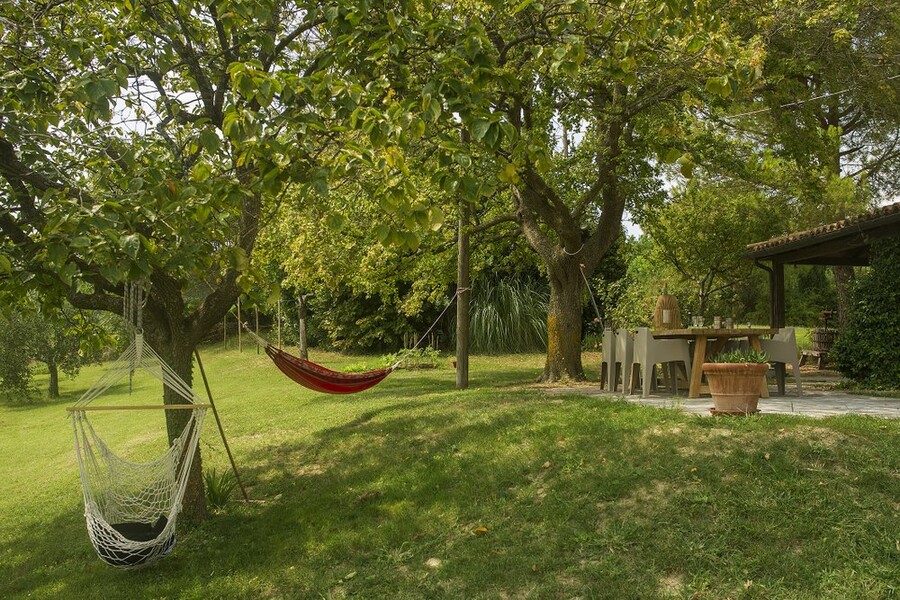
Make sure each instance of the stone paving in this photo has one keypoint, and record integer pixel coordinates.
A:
(813, 403)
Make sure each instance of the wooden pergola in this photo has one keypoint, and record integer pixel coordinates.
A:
(844, 242)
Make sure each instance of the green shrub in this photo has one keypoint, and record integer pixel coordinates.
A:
(219, 487)
(867, 350)
(420, 358)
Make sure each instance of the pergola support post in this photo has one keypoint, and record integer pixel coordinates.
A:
(776, 309)
(776, 278)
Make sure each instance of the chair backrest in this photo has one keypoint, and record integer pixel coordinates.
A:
(623, 340)
(609, 346)
(624, 345)
(786, 334)
(642, 341)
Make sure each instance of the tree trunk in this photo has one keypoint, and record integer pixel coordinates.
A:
(843, 278)
(178, 352)
(54, 378)
(564, 324)
(301, 327)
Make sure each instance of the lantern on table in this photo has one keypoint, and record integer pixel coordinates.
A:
(667, 314)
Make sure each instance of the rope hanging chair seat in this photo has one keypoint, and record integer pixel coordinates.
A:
(109, 549)
(131, 508)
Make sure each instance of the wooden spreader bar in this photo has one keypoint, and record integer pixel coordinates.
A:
(139, 407)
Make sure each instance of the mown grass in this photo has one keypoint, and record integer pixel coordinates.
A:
(416, 490)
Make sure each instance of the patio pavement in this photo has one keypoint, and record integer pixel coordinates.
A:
(817, 400)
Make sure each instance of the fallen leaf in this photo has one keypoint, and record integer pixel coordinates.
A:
(480, 530)
(433, 563)
(547, 465)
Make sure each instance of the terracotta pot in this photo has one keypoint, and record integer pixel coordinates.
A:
(735, 387)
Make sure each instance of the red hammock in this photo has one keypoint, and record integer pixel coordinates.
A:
(320, 379)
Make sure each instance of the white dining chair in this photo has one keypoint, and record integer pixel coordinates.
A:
(624, 356)
(782, 348)
(648, 352)
(608, 366)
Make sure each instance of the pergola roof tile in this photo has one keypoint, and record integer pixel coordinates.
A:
(847, 228)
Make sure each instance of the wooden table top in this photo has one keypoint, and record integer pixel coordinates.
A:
(711, 332)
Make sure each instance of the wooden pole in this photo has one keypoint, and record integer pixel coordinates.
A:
(301, 326)
(91, 407)
(219, 423)
(278, 317)
(463, 282)
(240, 343)
(778, 317)
(256, 315)
(225, 331)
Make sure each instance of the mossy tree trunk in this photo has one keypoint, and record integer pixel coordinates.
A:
(564, 323)
(176, 348)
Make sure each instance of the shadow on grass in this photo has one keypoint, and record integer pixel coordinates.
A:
(517, 495)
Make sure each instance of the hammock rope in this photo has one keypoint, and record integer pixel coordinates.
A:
(131, 508)
(321, 379)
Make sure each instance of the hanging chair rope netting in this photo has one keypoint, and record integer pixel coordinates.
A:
(131, 507)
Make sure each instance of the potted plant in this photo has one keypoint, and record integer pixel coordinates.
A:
(735, 381)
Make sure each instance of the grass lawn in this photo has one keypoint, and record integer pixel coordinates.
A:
(416, 490)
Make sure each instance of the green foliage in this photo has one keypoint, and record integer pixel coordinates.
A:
(63, 341)
(509, 315)
(867, 350)
(703, 234)
(219, 487)
(630, 300)
(420, 358)
(741, 355)
(17, 338)
(808, 291)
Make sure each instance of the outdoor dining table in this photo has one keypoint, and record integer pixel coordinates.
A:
(710, 341)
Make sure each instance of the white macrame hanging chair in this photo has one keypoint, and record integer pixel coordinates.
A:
(131, 508)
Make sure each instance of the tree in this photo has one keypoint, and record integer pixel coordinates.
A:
(823, 119)
(526, 80)
(62, 341)
(16, 335)
(142, 141)
(704, 231)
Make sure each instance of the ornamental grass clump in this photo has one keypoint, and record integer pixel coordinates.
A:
(219, 487)
(741, 356)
